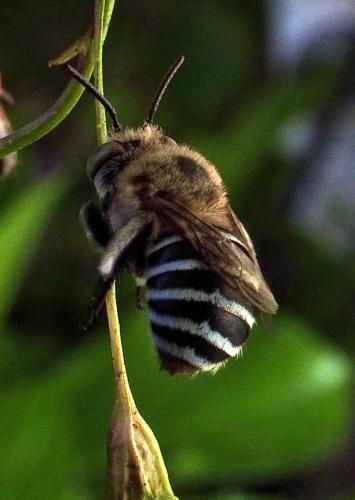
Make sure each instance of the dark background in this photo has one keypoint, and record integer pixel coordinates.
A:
(266, 93)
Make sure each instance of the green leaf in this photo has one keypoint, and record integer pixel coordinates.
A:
(21, 225)
(240, 150)
(37, 440)
(282, 408)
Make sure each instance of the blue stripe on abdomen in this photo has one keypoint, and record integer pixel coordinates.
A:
(195, 326)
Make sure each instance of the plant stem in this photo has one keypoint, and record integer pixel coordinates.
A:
(116, 348)
(102, 6)
(101, 23)
(101, 128)
(135, 466)
(39, 127)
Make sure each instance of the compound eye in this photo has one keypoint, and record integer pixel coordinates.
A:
(101, 156)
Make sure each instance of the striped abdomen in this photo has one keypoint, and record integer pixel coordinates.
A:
(197, 323)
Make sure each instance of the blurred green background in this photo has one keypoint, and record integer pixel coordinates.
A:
(275, 423)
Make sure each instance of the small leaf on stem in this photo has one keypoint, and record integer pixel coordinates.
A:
(80, 46)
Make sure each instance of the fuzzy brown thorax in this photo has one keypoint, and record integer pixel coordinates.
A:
(136, 164)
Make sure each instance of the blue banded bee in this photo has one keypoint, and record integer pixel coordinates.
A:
(165, 217)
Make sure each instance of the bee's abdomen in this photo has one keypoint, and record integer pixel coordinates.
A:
(196, 323)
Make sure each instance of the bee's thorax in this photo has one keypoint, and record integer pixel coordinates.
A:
(146, 163)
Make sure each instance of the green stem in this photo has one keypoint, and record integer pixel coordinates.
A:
(100, 27)
(108, 9)
(100, 7)
(39, 127)
(135, 467)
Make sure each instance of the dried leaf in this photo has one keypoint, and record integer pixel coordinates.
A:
(9, 162)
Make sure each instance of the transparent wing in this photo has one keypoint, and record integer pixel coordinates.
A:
(229, 252)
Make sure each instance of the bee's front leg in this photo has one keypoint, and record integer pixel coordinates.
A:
(110, 264)
(95, 224)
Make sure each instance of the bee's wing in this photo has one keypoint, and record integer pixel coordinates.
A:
(229, 253)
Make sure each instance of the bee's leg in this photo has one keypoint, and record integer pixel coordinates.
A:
(112, 260)
(95, 304)
(95, 224)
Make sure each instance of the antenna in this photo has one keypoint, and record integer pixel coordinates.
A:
(89, 86)
(163, 86)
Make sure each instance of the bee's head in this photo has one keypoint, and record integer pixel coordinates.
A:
(124, 146)
(110, 159)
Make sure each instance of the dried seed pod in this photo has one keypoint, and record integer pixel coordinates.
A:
(8, 163)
